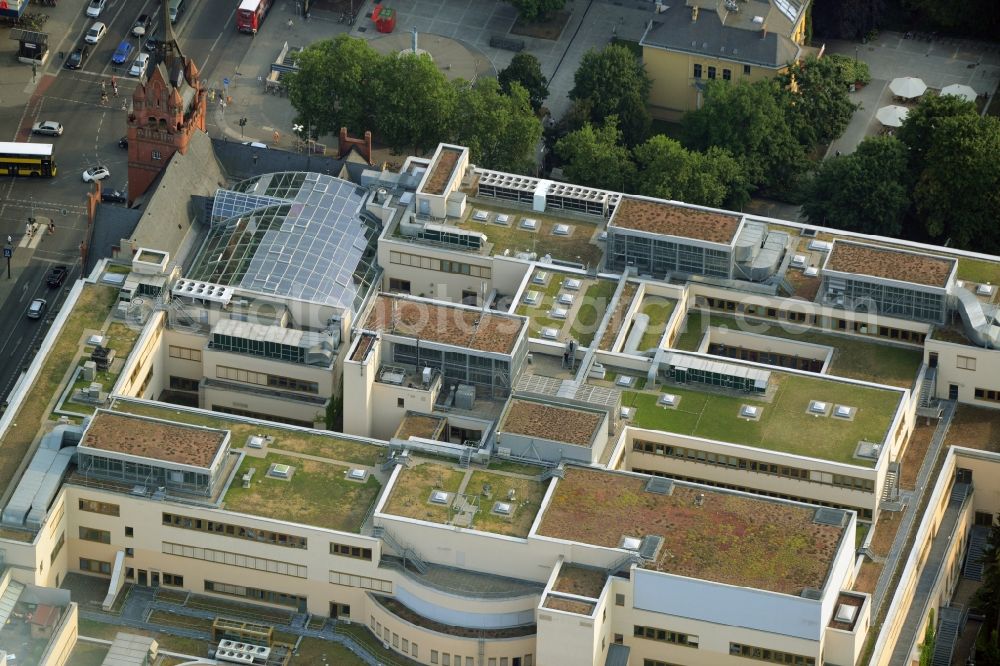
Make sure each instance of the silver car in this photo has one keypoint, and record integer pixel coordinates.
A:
(48, 128)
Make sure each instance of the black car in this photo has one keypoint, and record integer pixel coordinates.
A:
(75, 59)
(113, 196)
(57, 276)
(123, 142)
(141, 25)
(152, 44)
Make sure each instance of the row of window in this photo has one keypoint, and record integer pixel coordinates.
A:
(55, 549)
(184, 384)
(773, 656)
(277, 351)
(364, 582)
(987, 394)
(710, 458)
(864, 514)
(404, 645)
(257, 594)
(665, 636)
(656, 662)
(261, 416)
(442, 265)
(265, 379)
(401, 644)
(185, 353)
(235, 559)
(95, 566)
(99, 507)
(727, 74)
(770, 358)
(965, 362)
(344, 550)
(237, 531)
(90, 534)
(172, 580)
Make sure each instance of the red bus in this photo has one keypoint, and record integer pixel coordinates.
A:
(251, 14)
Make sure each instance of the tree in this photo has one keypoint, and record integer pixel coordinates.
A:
(330, 90)
(972, 17)
(919, 128)
(500, 130)
(818, 107)
(665, 169)
(927, 647)
(866, 191)
(525, 69)
(615, 82)
(594, 156)
(958, 193)
(987, 600)
(747, 120)
(846, 19)
(416, 103)
(537, 10)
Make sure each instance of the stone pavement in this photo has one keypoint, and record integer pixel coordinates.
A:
(939, 63)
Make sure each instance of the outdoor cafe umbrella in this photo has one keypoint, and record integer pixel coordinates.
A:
(907, 87)
(892, 115)
(959, 90)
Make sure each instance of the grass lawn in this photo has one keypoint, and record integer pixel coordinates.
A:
(658, 309)
(975, 428)
(88, 654)
(854, 358)
(591, 312)
(498, 465)
(316, 444)
(528, 499)
(317, 494)
(238, 611)
(976, 270)
(411, 494)
(317, 651)
(90, 311)
(107, 631)
(617, 319)
(169, 619)
(784, 424)
(575, 247)
(538, 314)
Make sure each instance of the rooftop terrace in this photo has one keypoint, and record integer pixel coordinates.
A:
(785, 423)
(555, 423)
(318, 493)
(660, 217)
(425, 426)
(157, 440)
(441, 171)
(445, 324)
(725, 537)
(891, 264)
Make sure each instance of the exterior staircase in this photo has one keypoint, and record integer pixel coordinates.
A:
(927, 398)
(406, 552)
(890, 490)
(978, 541)
(949, 628)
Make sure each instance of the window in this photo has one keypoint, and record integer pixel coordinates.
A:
(130, 552)
(399, 285)
(619, 639)
(267, 596)
(95, 566)
(414, 650)
(711, 72)
(746, 70)
(351, 551)
(235, 559)
(656, 662)
(727, 75)
(156, 155)
(235, 531)
(352, 580)
(99, 507)
(966, 363)
(129, 531)
(55, 549)
(172, 580)
(664, 636)
(987, 394)
(90, 534)
(395, 640)
(697, 71)
(434, 656)
(264, 379)
(400, 402)
(619, 600)
(773, 656)
(185, 353)
(183, 384)
(444, 266)
(445, 659)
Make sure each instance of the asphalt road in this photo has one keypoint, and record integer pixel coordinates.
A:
(206, 33)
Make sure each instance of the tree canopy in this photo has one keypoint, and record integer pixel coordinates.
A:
(866, 191)
(614, 81)
(921, 122)
(535, 10)
(501, 131)
(525, 69)
(594, 156)
(817, 104)
(846, 19)
(665, 169)
(416, 103)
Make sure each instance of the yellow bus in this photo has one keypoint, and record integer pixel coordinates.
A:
(26, 159)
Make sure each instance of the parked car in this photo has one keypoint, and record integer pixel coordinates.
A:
(122, 53)
(152, 44)
(95, 7)
(99, 172)
(141, 25)
(76, 57)
(139, 65)
(255, 144)
(123, 142)
(96, 33)
(37, 308)
(113, 196)
(48, 128)
(57, 276)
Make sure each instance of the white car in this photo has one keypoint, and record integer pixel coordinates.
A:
(47, 127)
(96, 173)
(139, 65)
(95, 7)
(96, 33)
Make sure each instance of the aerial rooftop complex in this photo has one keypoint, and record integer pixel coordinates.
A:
(481, 419)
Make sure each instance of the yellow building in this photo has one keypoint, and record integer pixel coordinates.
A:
(687, 44)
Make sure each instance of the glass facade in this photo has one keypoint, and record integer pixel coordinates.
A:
(659, 257)
(276, 351)
(895, 301)
(490, 376)
(146, 474)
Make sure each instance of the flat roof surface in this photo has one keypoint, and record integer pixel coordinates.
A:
(426, 426)
(442, 171)
(889, 263)
(445, 324)
(729, 538)
(660, 217)
(545, 421)
(156, 440)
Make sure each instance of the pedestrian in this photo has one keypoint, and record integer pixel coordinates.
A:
(104, 99)
(114, 80)
(52, 228)
(10, 239)
(103, 86)
(114, 87)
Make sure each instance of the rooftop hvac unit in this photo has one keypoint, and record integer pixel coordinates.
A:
(426, 376)
(465, 396)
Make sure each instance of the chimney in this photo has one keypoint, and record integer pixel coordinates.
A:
(368, 146)
(343, 141)
(694, 13)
